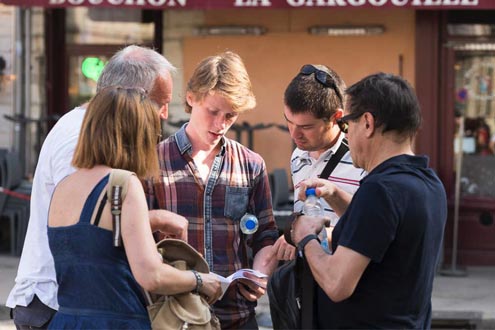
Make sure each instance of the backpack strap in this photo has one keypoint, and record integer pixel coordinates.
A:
(335, 159)
(116, 192)
(308, 288)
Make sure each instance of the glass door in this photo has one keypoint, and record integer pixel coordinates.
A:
(474, 109)
(93, 35)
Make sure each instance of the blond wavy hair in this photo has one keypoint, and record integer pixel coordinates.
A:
(223, 74)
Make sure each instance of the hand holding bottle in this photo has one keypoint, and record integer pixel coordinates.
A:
(337, 198)
(313, 207)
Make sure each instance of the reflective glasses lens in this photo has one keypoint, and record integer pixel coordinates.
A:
(343, 125)
(323, 78)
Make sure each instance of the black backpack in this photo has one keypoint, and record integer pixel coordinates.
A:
(285, 294)
(285, 287)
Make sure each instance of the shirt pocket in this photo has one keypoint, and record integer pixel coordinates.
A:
(236, 202)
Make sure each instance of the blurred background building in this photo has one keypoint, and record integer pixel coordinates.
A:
(51, 52)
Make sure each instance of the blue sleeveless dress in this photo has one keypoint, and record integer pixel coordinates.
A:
(96, 287)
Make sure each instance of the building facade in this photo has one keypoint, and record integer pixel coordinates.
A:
(445, 48)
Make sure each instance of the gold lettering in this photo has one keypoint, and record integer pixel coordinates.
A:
(296, 3)
(357, 2)
(377, 2)
(432, 2)
(157, 2)
(181, 3)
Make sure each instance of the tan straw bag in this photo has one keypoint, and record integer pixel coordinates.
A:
(180, 311)
(185, 310)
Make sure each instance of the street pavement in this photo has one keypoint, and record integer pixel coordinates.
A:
(460, 302)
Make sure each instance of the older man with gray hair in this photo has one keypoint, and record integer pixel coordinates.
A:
(34, 296)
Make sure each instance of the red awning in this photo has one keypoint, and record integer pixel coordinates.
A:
(241, 4)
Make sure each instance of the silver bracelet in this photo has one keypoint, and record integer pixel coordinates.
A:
(199, 281)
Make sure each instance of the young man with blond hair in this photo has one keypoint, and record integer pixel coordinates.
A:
(213, 181)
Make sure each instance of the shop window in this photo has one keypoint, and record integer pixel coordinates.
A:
(83, 74)
(475, 122)
(109, 26)
(93, 35)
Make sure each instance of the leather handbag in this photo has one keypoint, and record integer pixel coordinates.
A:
(186, 310)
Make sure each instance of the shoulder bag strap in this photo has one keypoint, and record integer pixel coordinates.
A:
(308, 282)
(308, 288)
(116, 192)
(335, 159)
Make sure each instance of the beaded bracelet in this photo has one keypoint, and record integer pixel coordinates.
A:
(199, 281)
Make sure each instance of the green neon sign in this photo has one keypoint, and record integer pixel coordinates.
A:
(92, 67)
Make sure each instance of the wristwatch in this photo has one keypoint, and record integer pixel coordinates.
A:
(304, 241)
(288, 227)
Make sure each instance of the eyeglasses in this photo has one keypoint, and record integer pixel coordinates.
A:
(344, 121)
(323, 78)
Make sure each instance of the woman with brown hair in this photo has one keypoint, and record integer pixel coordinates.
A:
(100, 285)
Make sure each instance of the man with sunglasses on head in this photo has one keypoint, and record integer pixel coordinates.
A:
(387, 242)
(313, 103)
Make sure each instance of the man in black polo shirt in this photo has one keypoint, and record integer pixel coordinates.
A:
(387, 242)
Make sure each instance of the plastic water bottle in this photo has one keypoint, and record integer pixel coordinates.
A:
(249, 224)
(313, 207)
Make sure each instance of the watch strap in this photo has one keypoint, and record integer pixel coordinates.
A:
(288, 227)
(306, 240)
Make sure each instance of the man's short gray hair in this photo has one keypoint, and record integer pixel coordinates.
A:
(134, 66)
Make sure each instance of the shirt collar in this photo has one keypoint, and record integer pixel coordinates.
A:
(327, 153)
(419, 162)
(185, 145)
(182, 140)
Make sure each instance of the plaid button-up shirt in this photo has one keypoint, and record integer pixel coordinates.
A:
(237, 184)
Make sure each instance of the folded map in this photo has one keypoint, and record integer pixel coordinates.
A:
(251, 275)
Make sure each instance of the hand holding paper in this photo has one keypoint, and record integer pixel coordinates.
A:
(248, 276)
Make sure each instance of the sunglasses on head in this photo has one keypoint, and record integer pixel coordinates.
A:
(323, 78)
(343, 122)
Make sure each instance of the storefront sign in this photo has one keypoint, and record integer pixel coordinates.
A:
(218, 4)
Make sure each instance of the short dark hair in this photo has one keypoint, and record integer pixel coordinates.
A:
(390, 99)
(305, 94)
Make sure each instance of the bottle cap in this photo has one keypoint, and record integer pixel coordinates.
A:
(250, 224)
(311, 191)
